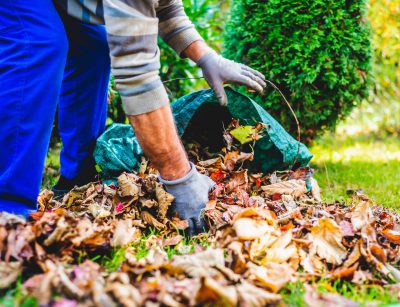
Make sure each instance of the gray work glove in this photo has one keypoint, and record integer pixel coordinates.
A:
(218, 71)
(191, 197)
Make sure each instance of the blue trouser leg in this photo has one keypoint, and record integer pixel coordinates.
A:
(83, 100)
(33, 49)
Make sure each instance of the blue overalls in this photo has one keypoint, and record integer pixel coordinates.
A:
(47, 59)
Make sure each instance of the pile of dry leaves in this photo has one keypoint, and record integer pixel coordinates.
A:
(265, 231)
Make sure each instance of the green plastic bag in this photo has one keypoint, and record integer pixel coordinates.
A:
(199, 116)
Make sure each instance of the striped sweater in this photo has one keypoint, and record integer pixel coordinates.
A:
(132, 29)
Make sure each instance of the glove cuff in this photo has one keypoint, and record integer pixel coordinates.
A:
(206, 57)
(182, 180)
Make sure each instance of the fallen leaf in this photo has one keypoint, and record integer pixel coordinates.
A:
(326, 237)
(294, 187)
(361, 216)
(211, 292)
(128, 185)
(124, 233)
(9, 272)
(252, 296)
(272, 276)
(315, 299)
(151, 220)
(251, 229)
(164, 201)
(392, 235)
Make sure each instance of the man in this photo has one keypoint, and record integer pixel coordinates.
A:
(45, 59)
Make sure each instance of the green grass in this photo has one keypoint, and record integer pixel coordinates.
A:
(52, 167)
(370, 163)
(365, 295)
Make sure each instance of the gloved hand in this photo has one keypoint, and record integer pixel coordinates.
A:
(217, 71)
(191, 197)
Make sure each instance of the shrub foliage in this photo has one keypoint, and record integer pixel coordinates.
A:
(318, 53)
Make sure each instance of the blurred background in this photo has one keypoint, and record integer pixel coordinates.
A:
(336, 61)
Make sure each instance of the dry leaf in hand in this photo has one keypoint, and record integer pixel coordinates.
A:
(294, 187)
(326, 237)
(164, 201)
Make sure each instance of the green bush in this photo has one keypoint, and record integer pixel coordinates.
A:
(318, 53)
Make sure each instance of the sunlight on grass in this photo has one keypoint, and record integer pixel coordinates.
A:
(359, 162)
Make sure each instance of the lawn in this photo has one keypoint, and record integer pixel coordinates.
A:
(371, 163)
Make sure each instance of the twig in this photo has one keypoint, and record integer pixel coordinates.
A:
(295, 118)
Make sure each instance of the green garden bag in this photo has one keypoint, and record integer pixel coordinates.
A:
(199, 116)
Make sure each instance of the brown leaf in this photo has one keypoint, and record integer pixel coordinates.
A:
(326, 237)
(315, 189)
(179, 224)
(215, 163)
(128, 185)
(211, 292)
(361, 216)
(294, 187)
(118, 285)
(9, 272)
(164, 201)
(62, 228)
(171, 241)
(233, 157)
(239, 263)
(273, 247)
(347, 228)
(44, 198)
(250, 229)
(124, 233)
(252, 296)
(392, 235)
(237, 179)
(272, 276)
(315, 299)
(148, 218)
(200, 264)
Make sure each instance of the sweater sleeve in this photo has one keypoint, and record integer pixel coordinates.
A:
(175, 27)
(132, 32)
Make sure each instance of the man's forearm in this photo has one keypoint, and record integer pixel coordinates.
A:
(196, 50)
(160, 142)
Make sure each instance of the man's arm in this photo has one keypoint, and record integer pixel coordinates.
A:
(178, 31)
(132, 28)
